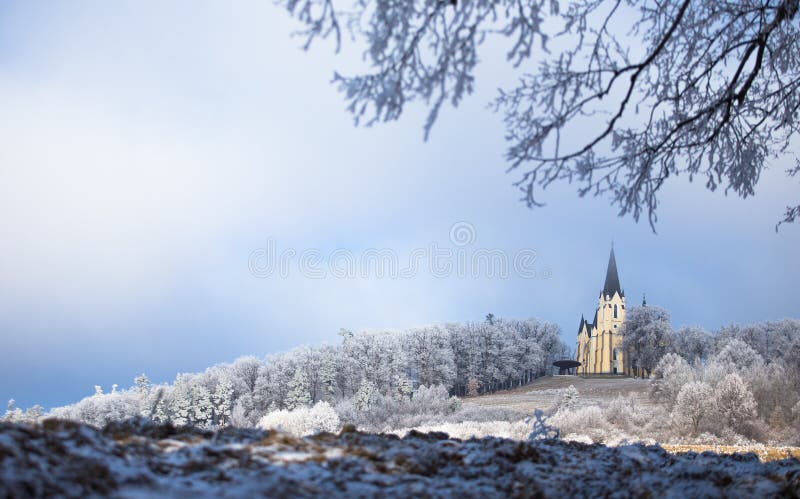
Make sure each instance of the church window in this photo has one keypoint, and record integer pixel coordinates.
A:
(615, 311)
(615, 354)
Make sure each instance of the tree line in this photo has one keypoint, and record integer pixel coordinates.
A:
(464, 358)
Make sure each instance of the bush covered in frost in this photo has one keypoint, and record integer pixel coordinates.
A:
(588, 421)
(301, 421)
(372, 411)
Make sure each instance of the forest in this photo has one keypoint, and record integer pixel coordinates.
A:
(739, 383)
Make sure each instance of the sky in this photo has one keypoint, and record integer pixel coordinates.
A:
(151, 153)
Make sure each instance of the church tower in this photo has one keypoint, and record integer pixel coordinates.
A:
(599, 343)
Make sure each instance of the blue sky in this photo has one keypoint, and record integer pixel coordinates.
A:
(146, 150)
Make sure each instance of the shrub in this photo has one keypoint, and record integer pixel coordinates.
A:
(693, 405)
(620, 411)
(382, 413)
(568, 399)
(303, 420)
(587, 421)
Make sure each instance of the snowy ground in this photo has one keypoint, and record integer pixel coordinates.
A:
(543, 392)
(69, 459)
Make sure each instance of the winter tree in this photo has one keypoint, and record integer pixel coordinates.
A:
(298, 396)
(736, 357)
(403, 387)
(13, 414)
(244, 374)
(429, 355)
(366, 395)
(223, 400)
(328, 375)
(734, 405)
(671, 373)
(473, 387)
(705, 89)
(201, 406)
(693, 405)
(141, 384)
(692, 343)
(646, 335)
(371, 373)
(569, 399)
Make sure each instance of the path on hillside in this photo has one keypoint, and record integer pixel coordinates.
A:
(544, 392)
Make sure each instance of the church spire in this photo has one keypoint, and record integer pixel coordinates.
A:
(612, 277)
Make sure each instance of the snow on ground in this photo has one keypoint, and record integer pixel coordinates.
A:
(139, 460)
(543, 393)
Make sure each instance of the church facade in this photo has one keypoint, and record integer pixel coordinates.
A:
(599, 343)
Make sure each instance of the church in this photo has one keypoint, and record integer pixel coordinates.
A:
(599, 344)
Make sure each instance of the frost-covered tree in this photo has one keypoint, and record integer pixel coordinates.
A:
(773, 389)
(298, 396)
(736, 357)
(692, 343)
(272, 385)
(180, 401)
(223, 400)
(734, 405)
(362, 371)
(670, 374)
(141, 384)
(97, 410)
(13, 414)
(646, 336)
(693, 405)
(328, 375)
(473, 387)
(244, 375)
(704, 89)
(429, 355)
(569, 399)
(366, 396)
(403, 387)
(201, 406)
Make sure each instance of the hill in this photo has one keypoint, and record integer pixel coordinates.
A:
(544, 392)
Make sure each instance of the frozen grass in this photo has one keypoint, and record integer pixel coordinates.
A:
(544, 392)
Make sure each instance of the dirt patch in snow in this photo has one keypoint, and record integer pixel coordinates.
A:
(137, 459)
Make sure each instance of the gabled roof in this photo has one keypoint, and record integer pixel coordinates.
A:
(612, 277)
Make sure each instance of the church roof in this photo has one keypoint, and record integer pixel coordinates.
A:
(612, 277)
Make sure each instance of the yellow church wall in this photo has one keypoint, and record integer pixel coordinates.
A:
(596, 352)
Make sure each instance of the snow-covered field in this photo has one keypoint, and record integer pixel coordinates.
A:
(125, 460)
(544, 392)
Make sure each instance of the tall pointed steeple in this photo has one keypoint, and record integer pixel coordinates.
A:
(612, 277)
